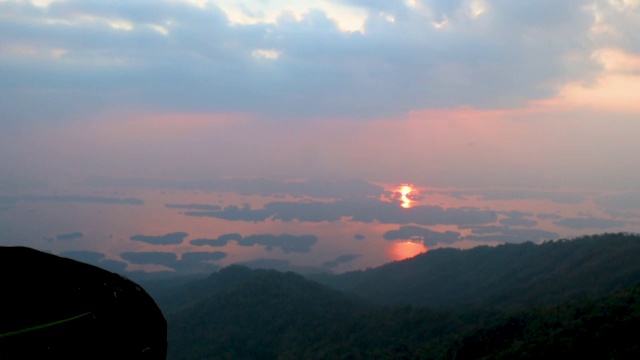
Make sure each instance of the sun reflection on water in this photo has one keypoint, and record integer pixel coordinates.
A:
(406, 249)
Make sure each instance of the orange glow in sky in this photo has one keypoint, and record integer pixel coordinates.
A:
(406, 249)
(404, 191)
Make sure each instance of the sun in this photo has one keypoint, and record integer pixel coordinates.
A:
(405, 190)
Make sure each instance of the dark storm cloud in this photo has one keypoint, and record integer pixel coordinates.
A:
(342, 259)
(589, 223)
(471, 61)
(220, 241)
(70, 236)
(363, 210)
(70, 199)
(520, 194)
(323, 189)
(427, 236)
(168, 239)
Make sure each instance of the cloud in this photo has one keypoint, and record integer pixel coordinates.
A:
(97, 259)
(281, 265)
(190, 262)
(427, 236)
(509, 235)
(203, 256)
(361, 210)
(315, 188)
(119, 267)
(141, 53)
(520, 194)
(70, 236)
(234, 213)
(198, 262)
(220, 241)
(287, 243)
(70, 199)
(342, 259)
(620, 202)
(168, 239)
(548, 216)
(359, 237)
(589, 223)
(618, 22)
(194, 206)
(518, 222)
(89, 257)
(150, 258)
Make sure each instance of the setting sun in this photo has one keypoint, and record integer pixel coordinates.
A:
(404, 191)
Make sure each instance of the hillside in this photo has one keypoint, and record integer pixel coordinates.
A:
(510, 275)
(583, 301)
(254, 313)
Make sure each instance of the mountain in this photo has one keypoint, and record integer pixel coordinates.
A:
(598, 328)
(505, 276)
(251, 314)
(572, 297)
(57, 308)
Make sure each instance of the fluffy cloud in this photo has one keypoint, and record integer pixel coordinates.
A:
(192, 262)
(427, 236)
(71, 199)
(70, 236)
(589, 223)
(220, 241)
(342, 259)
(173, 55)
(316, 188)
(168, 239)
(287, 243)
(97, 259)
(362, 210)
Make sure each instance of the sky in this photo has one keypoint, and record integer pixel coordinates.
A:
(323, 135)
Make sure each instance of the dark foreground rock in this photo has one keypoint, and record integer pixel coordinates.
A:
(53, 307)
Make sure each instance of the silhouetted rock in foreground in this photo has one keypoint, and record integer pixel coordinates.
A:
(53, 307)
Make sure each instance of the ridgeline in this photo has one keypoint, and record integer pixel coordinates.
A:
(575, 297)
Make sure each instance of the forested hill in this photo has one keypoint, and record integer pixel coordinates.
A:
(257, 314)
(505, 276)
(238, 313)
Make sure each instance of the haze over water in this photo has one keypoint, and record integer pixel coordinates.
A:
(320, 136)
